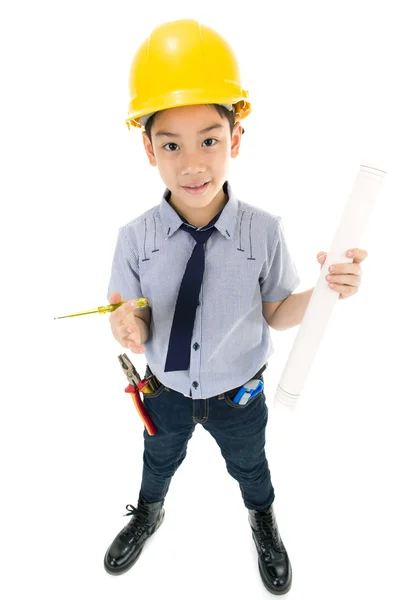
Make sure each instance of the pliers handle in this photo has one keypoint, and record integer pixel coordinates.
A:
(136, 385)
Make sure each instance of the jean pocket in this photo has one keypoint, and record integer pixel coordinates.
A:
(228, 397)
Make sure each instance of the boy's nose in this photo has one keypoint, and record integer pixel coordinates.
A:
(192, 165)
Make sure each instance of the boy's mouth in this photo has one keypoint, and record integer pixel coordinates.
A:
(197, 189)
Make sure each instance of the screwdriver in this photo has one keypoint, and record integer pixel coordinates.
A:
(141, 303)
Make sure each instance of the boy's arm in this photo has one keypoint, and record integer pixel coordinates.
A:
(290, 311)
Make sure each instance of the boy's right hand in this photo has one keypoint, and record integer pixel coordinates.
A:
(121, 319)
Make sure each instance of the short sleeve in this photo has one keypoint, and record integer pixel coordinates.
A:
(125, 268)
(280, 277)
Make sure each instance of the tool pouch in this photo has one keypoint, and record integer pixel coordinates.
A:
(242, 395)
(154, 383)
(248, 391)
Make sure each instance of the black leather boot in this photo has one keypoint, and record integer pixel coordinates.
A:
(127, 546)
(273, 560)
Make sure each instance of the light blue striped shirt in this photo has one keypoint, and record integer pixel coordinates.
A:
(247, 261)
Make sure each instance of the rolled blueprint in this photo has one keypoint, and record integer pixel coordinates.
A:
(323, 299)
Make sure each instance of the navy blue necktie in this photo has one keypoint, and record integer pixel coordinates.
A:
(178, 355)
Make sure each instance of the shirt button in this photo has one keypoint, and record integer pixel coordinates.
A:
(196, 346)
(195, 384)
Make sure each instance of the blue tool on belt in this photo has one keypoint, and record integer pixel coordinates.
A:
(248, 391)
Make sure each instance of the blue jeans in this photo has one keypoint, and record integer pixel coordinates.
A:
(238, 430)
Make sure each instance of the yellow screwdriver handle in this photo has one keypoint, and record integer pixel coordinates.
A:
(109, 308)
(141, 303)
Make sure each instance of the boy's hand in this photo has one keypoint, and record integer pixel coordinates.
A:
(346, 278)
(124, 325)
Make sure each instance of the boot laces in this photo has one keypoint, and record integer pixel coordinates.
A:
(137, 525)
(268, 533)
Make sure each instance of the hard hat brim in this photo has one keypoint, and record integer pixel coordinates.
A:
(188, 98)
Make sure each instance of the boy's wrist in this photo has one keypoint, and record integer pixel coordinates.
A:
(144, 330)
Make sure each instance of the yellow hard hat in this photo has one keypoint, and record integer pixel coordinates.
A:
(181, 63)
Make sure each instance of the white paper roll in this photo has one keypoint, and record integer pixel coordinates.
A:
(323, 299)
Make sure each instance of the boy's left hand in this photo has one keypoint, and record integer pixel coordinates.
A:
(346, 278)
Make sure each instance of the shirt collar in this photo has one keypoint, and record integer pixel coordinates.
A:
(226, 223)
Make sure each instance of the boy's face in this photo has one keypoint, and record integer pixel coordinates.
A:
(187, 156)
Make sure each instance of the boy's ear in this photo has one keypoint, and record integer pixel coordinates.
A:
(236, 139)
(149, 149)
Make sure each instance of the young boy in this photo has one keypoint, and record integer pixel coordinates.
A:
(217, 273)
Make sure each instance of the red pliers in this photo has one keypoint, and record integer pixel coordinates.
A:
(136, 385)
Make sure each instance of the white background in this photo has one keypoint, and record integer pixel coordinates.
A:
(323, 81)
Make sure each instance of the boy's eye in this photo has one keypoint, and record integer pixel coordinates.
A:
(210, 140)
(167, 146)
(170, 144)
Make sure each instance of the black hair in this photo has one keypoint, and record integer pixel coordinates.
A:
(222, 111)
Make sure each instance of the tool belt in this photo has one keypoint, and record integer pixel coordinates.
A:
(156, 383)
